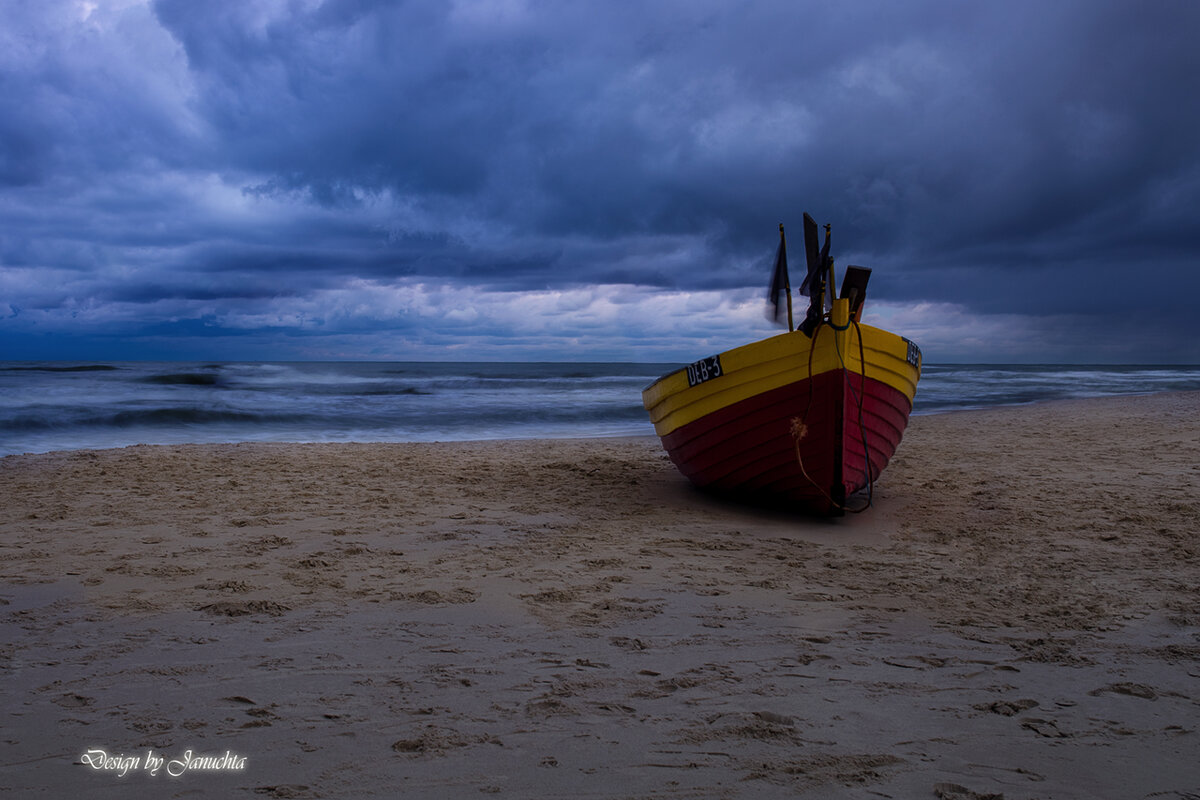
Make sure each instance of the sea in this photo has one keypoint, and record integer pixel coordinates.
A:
(55, 405)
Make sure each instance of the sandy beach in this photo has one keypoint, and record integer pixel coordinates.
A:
(1017, 616)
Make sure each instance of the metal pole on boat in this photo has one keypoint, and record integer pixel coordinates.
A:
(832, 284)
(787, 284)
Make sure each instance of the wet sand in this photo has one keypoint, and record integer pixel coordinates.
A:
(1018, 615)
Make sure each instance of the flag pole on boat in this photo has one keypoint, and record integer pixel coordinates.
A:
(831, 284)
(780, 283)
(786, 282)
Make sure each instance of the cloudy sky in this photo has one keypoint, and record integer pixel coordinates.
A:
(516, 179)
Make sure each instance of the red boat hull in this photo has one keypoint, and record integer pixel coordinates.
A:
(807, 443)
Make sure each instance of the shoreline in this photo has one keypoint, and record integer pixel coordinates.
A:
(1017, 615)
(648, 434)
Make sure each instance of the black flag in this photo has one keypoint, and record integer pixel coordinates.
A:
(815, 261)
(780, 286)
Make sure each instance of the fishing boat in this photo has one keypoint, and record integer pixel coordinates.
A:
(807, 418)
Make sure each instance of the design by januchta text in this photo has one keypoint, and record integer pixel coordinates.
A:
(152, 763)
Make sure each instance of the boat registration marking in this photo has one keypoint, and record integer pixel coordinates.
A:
(704, 370)
(914, 353)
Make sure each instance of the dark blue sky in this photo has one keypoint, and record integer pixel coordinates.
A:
(348, 179)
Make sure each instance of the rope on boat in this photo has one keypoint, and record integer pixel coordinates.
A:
(862, 428)
(799, 426)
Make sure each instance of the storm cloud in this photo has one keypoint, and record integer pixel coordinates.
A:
(354, 179)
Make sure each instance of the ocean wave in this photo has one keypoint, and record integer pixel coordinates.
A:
(184, 379)
(66, 420)
(393, 391)
(48, 368)
(153, 417)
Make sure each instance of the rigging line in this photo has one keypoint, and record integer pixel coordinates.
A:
(799, 426)
(862, 428)
(859, 402)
